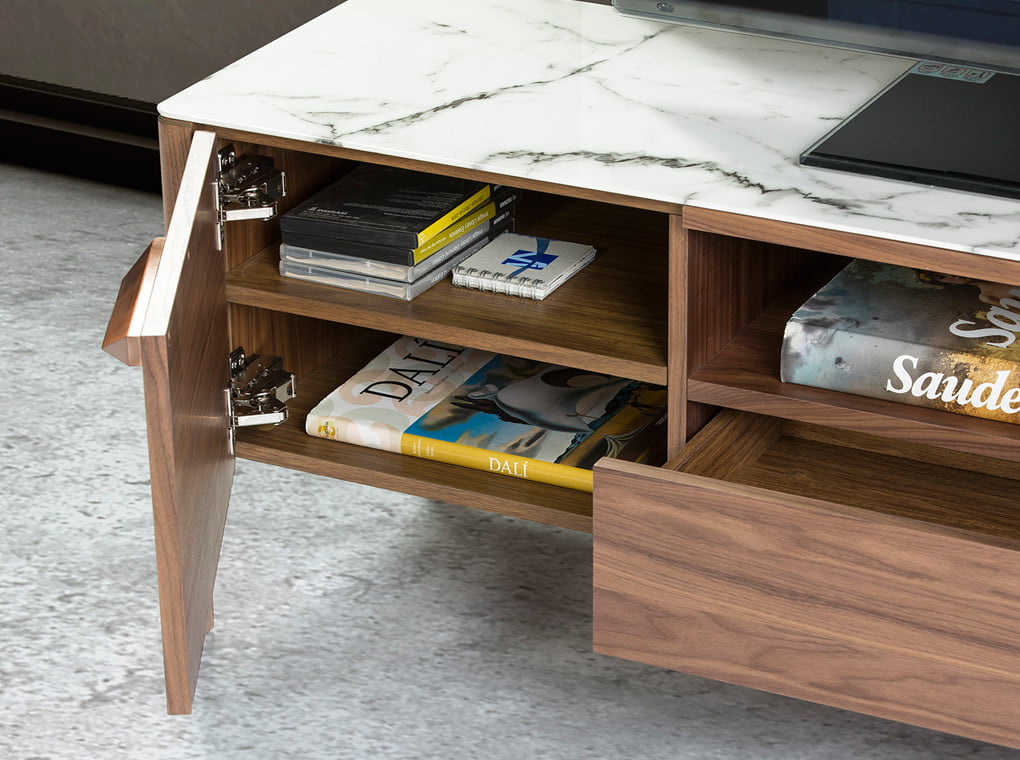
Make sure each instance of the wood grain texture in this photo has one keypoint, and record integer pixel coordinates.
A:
(124, 329)
(184, 349)
(729, 281)
(288, 445)
(174, 145)
(723, 450)
(871, 572)
(610, 317)
(678, 326)
(303, 343)
(916, 481)
(861, 607)
(848, 244)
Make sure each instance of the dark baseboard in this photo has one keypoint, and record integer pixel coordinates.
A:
(84, 134)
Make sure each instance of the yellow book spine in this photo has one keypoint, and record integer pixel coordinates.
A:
(452, 216)
(454, 231)
(496, 462)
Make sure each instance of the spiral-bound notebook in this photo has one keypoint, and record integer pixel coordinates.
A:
(521, 265)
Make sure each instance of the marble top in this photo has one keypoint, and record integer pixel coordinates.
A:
(573, 93)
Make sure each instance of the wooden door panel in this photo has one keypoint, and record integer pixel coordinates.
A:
(184, 352)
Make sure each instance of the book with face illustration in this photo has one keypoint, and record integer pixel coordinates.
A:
(515, 417)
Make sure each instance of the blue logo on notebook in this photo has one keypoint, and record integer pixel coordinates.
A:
(524, 260)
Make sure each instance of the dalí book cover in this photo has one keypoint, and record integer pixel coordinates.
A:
(515, 417)
(911, 336)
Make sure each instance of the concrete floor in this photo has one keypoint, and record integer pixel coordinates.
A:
(351, 622)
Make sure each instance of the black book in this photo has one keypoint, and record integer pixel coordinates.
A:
(397, 271)
(385, 205)
(482, 217)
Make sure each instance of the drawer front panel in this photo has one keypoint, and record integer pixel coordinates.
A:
(869, 612)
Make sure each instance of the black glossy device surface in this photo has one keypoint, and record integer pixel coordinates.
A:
(951, 132)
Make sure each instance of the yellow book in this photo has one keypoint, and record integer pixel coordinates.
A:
(452, 216)
(496, 462)
(473, 219)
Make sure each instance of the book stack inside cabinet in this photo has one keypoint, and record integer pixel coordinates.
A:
(391, 231)
(910, 336)
(516, 417)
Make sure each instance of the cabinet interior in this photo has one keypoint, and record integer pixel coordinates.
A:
(610, 317)
(714, 340)
(740, 370)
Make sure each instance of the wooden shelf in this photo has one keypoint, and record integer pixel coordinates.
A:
(918, 482)
(288, 445)
(610, 317)
(745, 375)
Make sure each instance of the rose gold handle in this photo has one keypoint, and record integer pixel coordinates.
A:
(124, 330)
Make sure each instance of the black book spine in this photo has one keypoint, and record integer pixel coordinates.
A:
(503, 199)
(386, 206)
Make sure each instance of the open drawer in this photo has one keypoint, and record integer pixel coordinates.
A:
(839, 568)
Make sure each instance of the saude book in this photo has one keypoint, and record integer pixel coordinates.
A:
(910, 336)
(385, 205)
(474, 408)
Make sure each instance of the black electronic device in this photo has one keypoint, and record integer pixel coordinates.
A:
(953, 120)
(939, 124)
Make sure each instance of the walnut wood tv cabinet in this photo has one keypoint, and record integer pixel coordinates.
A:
(830, 547)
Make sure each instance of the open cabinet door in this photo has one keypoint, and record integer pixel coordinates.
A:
(172, 316)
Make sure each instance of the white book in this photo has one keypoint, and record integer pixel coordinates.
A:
(522, 265)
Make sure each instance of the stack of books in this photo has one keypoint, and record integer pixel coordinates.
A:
(390, 231)
(515, 417)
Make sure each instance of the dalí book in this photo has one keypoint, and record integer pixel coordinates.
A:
(385, 205)
(911, 336)
(516, 417)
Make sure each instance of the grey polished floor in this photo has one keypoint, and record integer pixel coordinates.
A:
(351, 622)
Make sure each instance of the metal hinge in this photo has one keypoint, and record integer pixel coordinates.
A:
(247, 187)
(259, 390)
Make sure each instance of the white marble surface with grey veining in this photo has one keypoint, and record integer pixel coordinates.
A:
(574, 93)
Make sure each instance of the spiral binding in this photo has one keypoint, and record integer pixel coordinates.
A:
(497, 282)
